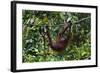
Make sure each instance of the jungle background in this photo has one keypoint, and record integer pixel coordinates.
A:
(35, 48)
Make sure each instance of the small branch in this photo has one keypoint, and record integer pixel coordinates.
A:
(81, 20)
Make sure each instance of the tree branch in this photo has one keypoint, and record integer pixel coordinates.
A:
(81, 20)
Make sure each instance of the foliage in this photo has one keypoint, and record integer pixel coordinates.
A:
(36, 49)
